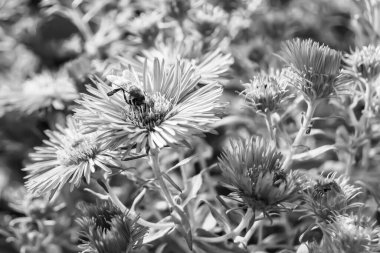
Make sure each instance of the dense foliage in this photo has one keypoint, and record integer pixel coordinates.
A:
(189, 126)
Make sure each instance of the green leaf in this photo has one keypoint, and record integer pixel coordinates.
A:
(222, 247)
(156, 234)
(193, 185)
(313, 153)
(221, 218)
(183, 162)
(170, 180)
(233, 214)
(183, 225)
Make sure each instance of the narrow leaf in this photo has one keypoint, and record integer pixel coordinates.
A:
(313, 153)
(221, 218)
(166, 176)
(183, 162)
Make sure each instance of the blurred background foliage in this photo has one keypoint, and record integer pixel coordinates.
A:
(82, 37)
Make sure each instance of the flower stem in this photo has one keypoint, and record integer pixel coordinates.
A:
(311, 106)
(116, 201)
(157, 173)
(243, 224)
(367, 126)
(244, 240)
(268, 119)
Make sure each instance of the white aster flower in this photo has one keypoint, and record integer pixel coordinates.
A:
(152, 109)
(211, 66)
(44, 91)
(67, 157)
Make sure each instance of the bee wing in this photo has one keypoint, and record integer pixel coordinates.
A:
(131, 78)
(123, 79)
(116, 80)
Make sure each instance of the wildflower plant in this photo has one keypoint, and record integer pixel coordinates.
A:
(211, 64)
(144, 139)
(105, 229)
(208, 19)
(45, 91)
(145, 28)
(364, 62)
(318, 67)
(164, 112)
(350, 234)
(68, 157)
(252, 169)
(267, 92)
(316, 72)
(327, 197)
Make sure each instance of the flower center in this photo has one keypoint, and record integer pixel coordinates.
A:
(149, 114)
(77, 150)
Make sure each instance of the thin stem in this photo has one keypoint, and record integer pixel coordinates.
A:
(244, 240)
(352, 148)
(350, 161)
(260, 233)
(243, 224)
(368, 101)
(311, 106)
(116, 201)
(367, 126)
(182, 168)
(157, 173)
(268, 119)
(134, 157)
(138, 199)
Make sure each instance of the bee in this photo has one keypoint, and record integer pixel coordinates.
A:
(278, 178)
(309, 127)
(321, 190)
(132, 95)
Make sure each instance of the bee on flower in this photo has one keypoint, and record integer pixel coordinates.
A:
(152, 109)
(105, 229)
(317, 66)
(329, 196)
(252, 170)
(68, 157)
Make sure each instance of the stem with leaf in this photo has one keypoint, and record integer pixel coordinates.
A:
(116, 201)
(153, 156)
(242, 225)
(311, 106)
